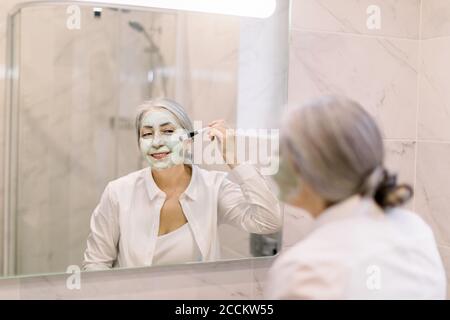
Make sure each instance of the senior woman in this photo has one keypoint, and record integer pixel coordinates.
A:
(362, 244)
(169, 212)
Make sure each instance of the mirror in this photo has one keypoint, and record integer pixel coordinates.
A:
(77, 73)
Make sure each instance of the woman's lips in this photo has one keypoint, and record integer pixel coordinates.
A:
(159, 155)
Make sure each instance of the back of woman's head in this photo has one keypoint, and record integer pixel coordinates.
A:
(337, 149)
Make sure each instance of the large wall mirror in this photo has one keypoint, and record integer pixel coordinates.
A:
(77, 71)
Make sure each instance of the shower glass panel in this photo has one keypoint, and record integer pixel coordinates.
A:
(72, 102)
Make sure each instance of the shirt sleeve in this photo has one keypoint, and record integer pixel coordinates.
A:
(249, 204)
(101, 251)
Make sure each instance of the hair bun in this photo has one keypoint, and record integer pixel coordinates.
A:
(389, 194)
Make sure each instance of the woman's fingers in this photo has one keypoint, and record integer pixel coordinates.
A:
(216, 122)
(218, 128)
(216, 132)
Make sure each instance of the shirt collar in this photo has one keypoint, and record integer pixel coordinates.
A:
(153, 190)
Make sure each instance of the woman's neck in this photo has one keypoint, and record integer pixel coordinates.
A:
(310, 201)
(172, 177)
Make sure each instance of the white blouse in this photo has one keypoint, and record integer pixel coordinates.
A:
(177, 246)
(357, 251)
(125, 224)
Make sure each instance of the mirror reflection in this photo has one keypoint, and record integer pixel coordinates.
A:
(142, 137)
(169, 212)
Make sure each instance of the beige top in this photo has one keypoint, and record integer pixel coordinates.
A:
(125, 224)
(357, 251)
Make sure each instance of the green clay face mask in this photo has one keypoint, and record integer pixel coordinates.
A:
(160, 139)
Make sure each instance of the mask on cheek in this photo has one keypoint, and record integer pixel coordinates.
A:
(287, 180)
(160, 143)
(171, 144)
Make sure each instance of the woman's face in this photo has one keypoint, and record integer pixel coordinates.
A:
(160, 139)
(294, 190)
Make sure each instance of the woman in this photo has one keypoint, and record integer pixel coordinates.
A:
(170, 211)
(362, 245)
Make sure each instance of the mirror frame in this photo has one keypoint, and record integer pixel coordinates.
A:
(12, 77)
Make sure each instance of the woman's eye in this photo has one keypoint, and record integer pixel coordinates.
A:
(146, 135)
(168, 131)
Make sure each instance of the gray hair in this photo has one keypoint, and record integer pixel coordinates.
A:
(337, 149)
(175, 108)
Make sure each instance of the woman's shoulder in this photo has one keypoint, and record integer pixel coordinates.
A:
(210, 176)
(128, 179)
(411, 222)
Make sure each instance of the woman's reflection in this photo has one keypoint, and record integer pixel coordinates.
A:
(170, 211)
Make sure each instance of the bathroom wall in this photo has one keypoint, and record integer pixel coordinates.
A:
(398, 72)
(433, 156)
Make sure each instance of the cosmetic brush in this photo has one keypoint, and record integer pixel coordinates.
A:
(191, 134)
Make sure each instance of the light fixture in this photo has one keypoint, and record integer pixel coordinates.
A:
(243, 8)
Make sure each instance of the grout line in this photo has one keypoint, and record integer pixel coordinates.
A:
(436, 38)
(419, 72)
(362, 35)
(398, 140)
(419, 140)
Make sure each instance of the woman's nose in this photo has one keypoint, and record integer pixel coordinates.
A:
(157, 141)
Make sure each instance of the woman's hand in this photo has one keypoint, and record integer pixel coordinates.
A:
(227, 140)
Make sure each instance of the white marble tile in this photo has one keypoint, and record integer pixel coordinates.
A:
(232, 280)
(379, 73)
(297, 224)
(433, 188)
(435, 18)
(399, 18)
(434, 93)
(9, 289)
(400, 159)
(225, 280)
(260, 269)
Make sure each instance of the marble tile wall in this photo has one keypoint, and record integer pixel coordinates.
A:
(397, 72)
(433, 154)
(333, 51)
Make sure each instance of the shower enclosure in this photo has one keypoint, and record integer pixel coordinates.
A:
(76, 73)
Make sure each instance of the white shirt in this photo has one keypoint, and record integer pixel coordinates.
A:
(178, 246)
(125, 224)
(357, 251)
